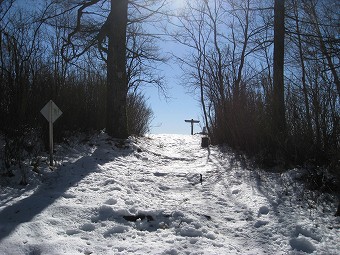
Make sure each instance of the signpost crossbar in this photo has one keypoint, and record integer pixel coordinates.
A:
(192, 121)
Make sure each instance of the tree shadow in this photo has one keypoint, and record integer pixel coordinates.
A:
(250, 216)
(66, 176)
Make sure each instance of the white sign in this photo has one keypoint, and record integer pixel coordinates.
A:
(51, 111)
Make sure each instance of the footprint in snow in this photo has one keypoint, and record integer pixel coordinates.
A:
(115, 188)
(164, 188)
(115, 230)
(307, 232)
(263, 210)
(111, 201)
(302, 244)
(71, 232)
(260, 223)
(235, 191)
(88, 227)
(108, 182)
(68, 195)
(159, 174)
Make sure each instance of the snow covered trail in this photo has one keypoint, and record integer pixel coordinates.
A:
(161, 194)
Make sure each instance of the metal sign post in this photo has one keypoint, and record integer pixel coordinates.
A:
(51, 112)
(192, 121)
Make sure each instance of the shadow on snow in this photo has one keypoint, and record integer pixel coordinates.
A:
(66, 177)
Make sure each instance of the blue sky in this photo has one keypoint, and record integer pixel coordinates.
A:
(169, 115)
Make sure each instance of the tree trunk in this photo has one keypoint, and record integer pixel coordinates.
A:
(279, 122)
(338, 211)
(117, 86)
(200, 71)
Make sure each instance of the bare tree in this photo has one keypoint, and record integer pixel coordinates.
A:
(278, 103)
(311, 10)
(111, 39)
(143, 60)
(301, 55)
(114, 28)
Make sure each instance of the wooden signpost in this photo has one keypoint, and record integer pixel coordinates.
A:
(51, 112)
(192, 121)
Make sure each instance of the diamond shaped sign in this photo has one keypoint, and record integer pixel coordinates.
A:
(51, 111)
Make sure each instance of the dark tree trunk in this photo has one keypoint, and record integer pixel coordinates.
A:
(279, 121)
(338, 211)
(117, 85)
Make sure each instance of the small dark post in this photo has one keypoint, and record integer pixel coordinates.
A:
(192, 121)
(205, 142)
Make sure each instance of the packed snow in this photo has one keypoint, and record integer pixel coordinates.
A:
(161, 194)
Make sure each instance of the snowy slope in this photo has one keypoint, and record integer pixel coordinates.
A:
(146, 197)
